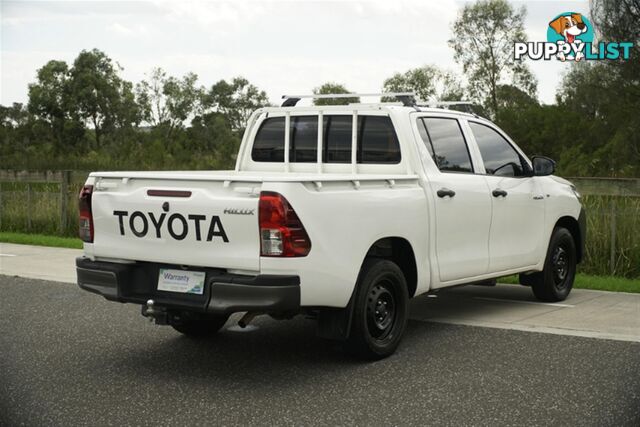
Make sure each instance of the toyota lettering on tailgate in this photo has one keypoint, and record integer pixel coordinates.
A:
(175, 224)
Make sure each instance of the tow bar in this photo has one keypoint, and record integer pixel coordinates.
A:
(159, 314)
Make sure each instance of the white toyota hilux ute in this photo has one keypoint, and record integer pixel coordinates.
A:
(342, 213)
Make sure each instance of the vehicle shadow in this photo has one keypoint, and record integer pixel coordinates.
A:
(274, 354)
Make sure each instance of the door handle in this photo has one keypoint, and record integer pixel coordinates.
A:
(444, 192)
(499, 193)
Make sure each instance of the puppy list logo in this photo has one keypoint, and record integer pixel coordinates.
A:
(570, 37)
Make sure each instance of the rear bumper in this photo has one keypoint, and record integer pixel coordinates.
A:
(224, 293)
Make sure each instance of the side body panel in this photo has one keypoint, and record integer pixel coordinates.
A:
(343, 223)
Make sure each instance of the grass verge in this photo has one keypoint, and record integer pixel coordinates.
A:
(599, 283)
(40, 240)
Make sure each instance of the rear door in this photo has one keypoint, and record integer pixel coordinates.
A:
(517, 223)
(461, 198)
(192, 223)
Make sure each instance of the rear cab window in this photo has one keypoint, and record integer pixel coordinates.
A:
(377, 140)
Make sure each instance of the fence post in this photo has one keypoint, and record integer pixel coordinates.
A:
(29, 207)
(64, 198)
(0, 205)
(612, 260)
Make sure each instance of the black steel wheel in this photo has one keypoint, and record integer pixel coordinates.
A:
(555, 282)
(380, 310)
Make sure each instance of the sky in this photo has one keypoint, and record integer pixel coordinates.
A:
(281, 46)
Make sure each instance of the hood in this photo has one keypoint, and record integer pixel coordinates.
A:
(561, 180)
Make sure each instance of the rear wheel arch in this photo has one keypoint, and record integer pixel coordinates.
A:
(337, 323)
(399, 251)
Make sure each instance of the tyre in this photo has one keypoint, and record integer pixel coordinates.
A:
(198, 326)
(380, 312)
(555, 281)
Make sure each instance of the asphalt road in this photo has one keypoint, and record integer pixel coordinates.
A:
(68, 357)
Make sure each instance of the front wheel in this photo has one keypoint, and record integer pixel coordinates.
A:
(556, 279)
(380, 310)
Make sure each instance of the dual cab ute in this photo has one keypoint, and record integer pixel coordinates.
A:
(342, 213)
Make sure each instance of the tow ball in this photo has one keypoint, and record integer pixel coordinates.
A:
(154, 313)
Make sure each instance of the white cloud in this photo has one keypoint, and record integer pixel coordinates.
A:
(135, 30)
(210, 13)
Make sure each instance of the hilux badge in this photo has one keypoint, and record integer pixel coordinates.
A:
(232, 211)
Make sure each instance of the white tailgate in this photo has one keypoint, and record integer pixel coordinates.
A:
(227, 217)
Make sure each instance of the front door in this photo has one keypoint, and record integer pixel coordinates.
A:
(517, 223)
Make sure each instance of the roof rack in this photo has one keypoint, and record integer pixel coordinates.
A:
(436, 104)
(447, 104)
(408, 99)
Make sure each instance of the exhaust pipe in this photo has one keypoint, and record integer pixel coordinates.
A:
(246, 319)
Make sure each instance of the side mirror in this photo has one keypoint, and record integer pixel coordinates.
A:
(543, 166)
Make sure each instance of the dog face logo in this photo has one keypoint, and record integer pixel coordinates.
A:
(569, 26)
(573, 29)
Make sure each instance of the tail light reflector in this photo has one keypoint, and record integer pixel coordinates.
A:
(85, 229)
(281, 231)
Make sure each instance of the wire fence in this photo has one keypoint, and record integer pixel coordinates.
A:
(45, 202)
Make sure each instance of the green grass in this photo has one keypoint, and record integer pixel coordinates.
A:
(40, 240)
(600, 283)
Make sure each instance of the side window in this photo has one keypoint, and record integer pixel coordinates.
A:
(378, 142)
(303, 145)
(422, 128)
(337, 139)
(269, 142)
(446, 143)
(499, 157)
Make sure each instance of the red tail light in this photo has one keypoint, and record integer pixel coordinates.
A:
(281, 231)
(85, 229)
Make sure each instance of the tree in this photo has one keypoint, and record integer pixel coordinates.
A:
(609, 103)
(182, 98)
(236, 100)
(332, 88)
(151, 99)
(616, 86)
(484, 34)
(100, 97)
(50, 101)
(589, 88)
(167, 101)
(428, 82)
(14, 116)
(512, 98)
(49, 96)
(212, 136)
(619, 21)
